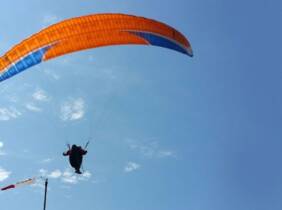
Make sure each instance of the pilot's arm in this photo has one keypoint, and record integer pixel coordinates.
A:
(66, 153)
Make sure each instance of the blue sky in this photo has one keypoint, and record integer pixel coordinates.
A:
(170, 132)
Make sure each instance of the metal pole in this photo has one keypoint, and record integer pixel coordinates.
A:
(45, 194)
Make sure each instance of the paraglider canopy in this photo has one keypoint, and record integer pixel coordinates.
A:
(90, 32)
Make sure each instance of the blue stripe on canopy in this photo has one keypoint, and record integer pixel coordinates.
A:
(161, 41)
(24, 63)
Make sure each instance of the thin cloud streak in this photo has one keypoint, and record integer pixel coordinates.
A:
(73, 109)
(66, 176)
(131, 166)
(50, 19)
(40, 95)
(47, 160)
(55, 174)
(4, 174)
(32, 107)
(1, 149)
(9, 113)
(150, 149)
(52, 74)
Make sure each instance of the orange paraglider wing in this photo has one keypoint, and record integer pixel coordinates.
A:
(90, 32)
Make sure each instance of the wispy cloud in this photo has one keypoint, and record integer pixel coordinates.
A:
(71, 178)
(12, 98)
(166, 153)
(73, 109)
(67, 176)
(43, 172)
(131, 166)
(47, 160)
(4, 174)
(98, 180)
(55, 174)
(39, 184)
(110, 73)
(50, 19)
(40, 95)
(2, 152)
(52, 74)
(150, 148)
(86, 175)
(32, 107)
(9, 113)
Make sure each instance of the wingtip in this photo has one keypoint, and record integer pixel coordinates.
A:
(190, 52)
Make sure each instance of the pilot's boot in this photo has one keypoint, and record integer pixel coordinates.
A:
(77, 171)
